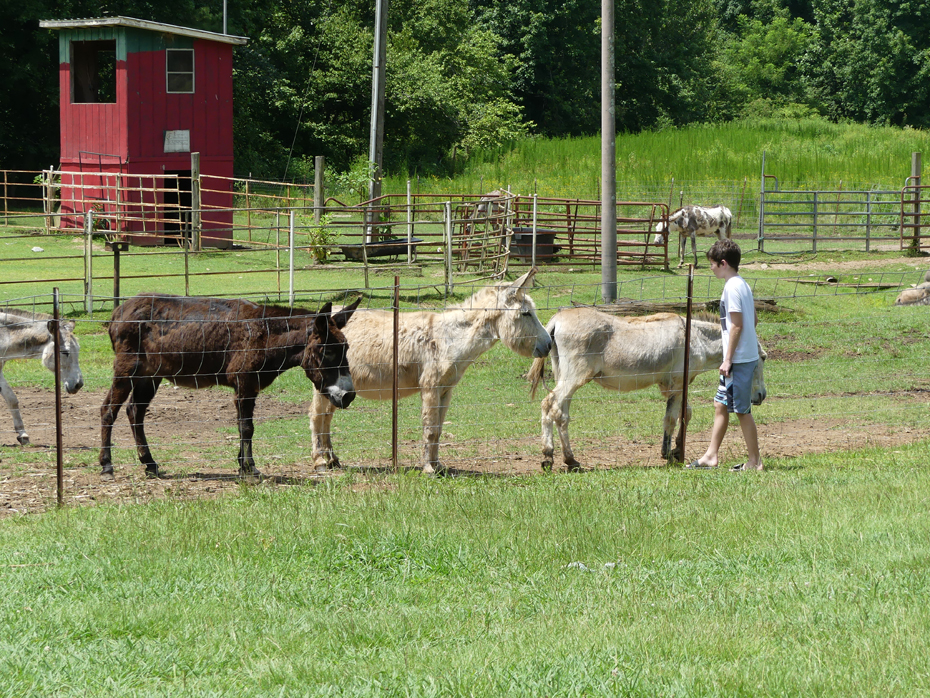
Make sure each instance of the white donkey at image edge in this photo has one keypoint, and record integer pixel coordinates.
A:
(434, 350)
(26, 335)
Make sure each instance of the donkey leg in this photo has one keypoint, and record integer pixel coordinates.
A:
(321, 419)
(13, 403)
(117, 395)
(143, 390)
(245, 413)
(694, 248)
(547, 419)
(682, 242)
(672, 415)
(556, 408)
(435, 405)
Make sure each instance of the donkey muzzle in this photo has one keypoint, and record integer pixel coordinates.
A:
(342, 393)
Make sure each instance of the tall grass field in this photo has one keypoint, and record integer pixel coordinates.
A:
(802, 154)
(808, 579)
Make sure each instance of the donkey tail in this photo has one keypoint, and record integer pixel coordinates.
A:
(535, 374)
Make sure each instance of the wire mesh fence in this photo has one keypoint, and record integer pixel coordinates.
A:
(846, 369)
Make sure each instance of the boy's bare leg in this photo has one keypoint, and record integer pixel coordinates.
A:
(719, 430)
(751, 437)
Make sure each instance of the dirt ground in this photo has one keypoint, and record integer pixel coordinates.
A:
(28, 475)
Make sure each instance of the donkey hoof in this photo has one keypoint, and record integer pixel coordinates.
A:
(253, 475)
(152, 472)
(23, 439)
(437, 470)
(573, 466)
(107, 471)
(547, 465)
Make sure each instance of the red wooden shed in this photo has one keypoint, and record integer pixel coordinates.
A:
(138, 98)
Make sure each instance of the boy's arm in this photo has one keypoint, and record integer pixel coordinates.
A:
(736, 329)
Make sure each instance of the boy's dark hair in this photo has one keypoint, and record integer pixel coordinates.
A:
(727, 250)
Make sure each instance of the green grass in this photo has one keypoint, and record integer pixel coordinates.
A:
(801, 153)
(806, 580)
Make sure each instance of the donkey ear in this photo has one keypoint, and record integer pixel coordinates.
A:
(321, 324)
(520, 284)
(326, 309)
(342, 317)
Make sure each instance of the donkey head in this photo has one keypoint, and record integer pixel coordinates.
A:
(71, 375)
(325, 359)
(518, 327)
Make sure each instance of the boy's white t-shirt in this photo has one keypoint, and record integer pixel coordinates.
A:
(737, 298)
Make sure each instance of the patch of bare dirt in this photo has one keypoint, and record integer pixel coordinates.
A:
(916, 264)
(28, 475)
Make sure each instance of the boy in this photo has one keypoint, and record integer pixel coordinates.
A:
(740, 355)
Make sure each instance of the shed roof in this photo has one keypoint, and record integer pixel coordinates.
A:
(142, 24)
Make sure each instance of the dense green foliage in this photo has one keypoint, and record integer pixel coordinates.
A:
(467, 75)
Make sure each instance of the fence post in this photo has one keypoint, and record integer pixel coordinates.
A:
(447, 216)
(319, 165)
(534, 230)
(196, 218)
(248, 207)
(290, 264)
(56, 339)
(915, 176)
(868, 218)
(682, 430)
(409, 225)
(88, 262)
(760, 243)
(277, 248)
(814, 239)
(50, 199)
(187, 267)
(395, 388)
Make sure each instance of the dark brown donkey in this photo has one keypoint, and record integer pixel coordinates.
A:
(201, 342)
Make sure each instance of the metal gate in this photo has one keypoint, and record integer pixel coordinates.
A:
(797, 220)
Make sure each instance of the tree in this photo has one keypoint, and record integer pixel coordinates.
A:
(870, 60)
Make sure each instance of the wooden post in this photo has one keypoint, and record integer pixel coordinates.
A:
(395, 388)
(196, 220)
(59, 448)
(319, 164)
(682, 430)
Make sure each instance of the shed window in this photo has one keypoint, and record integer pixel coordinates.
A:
(93, 72)
(180, 63)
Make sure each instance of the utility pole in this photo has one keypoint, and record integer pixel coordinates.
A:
(376, 139)
(608, 157)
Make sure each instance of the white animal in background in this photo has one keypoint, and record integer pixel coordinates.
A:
(693, 221)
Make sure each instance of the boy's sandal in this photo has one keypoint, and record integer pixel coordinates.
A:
(738, 468)
(697, 465)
